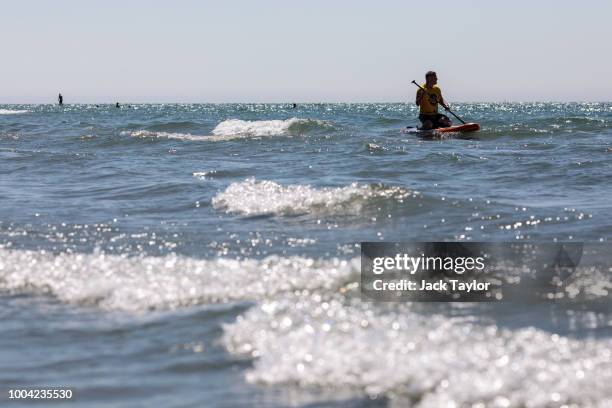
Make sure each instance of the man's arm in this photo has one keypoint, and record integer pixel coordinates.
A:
(443, 102)
(419, 97)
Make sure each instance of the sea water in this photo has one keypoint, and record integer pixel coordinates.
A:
(208, 255)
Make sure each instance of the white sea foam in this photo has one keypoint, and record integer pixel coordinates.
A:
(416, 359)
(238, 129)
(252, 197)
(261, 128)
(203, 175)
(143, 283)
(310, 328)
(164, 135)
(12, 111)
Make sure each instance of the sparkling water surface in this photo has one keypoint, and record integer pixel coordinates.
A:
(207, 255)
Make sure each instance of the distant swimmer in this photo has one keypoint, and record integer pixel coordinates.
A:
(427, 98)
(294, 105)
(60, 99)
(117, 105)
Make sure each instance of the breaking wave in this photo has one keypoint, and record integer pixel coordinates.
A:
(12, 111)
(262, 128)
(146, 283)
(417, 359)
(252, 197)
(240, 129)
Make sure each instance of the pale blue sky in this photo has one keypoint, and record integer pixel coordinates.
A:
(303, 51)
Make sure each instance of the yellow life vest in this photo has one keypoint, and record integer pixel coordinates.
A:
(429, 103)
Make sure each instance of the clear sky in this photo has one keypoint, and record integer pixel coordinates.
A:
(303, 51)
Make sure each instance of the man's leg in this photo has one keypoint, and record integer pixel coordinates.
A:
(444, 121)
(426, 124)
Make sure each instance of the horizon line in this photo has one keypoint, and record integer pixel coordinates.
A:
(291, 103)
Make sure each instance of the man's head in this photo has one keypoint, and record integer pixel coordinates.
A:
(431, 78)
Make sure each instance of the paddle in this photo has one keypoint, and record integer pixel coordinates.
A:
(448, 110)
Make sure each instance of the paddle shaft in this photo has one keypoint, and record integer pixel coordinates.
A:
(450, 111)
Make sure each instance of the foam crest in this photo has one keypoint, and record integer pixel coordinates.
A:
(252, 197)
(146, 283)
(418, 360)
(12, 111)
(261, 128)
(239, 129)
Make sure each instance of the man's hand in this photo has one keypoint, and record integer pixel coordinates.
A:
(444, 104)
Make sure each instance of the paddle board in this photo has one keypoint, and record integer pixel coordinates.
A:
(466, 127)
(463, 128)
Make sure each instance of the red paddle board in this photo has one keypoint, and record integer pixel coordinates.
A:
(467, 127)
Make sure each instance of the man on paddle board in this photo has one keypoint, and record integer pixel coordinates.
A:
(428, 99)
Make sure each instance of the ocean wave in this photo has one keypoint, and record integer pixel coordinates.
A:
(143, 283)
(239, 129)
(417, 359)
(262, 128)
(12, 111)
(164, 135)
(252, 197)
